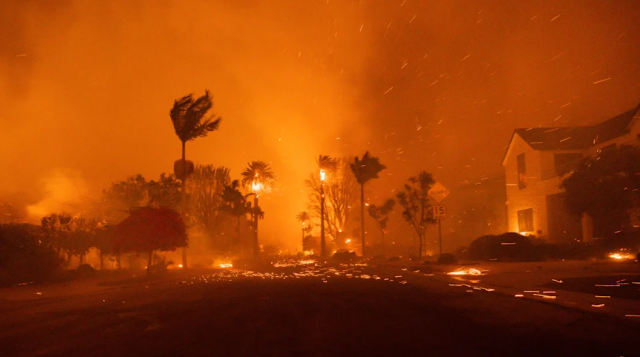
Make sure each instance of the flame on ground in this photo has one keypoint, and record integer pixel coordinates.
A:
(466, 271)
(621, 256)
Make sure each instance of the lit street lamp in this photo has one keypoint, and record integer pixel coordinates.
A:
(256, 187)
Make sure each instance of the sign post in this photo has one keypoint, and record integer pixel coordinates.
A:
(438, 192)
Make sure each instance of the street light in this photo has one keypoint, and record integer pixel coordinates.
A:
(323, 177)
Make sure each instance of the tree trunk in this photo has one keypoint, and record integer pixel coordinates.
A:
(240, 240)
(256, 246)
(362, 218)
(322, 242)
(101, 257)
(184, 200)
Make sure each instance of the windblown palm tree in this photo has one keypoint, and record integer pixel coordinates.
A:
(257, 177)
(188, 118)
(189, 122)
(365, 170)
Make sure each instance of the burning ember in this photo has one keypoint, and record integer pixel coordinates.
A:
(466, 271)
(621, 256)
(226, 265)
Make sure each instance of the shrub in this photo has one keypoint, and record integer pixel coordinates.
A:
(86, 271)
(25, 255)
(504, 247)
(447, 258)
(345, 257)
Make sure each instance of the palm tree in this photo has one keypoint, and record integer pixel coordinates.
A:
(257, 177)
(303, 217)
(326, 165)
(189, 122)
(381, 215)
(365, 170)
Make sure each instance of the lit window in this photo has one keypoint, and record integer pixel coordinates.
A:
(522, 172)
(525, 220)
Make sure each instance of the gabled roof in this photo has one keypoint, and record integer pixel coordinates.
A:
(575, 138)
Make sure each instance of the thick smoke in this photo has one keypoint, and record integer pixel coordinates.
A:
(434, 85)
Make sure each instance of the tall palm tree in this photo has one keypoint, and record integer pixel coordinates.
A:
(381, 215)
(257, 177)
(326, 164)
(364, 170)
(303, 217)
(189, 122)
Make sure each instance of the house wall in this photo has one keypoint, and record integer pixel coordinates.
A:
(534, 196)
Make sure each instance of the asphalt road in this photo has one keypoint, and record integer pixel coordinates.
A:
(318, 313)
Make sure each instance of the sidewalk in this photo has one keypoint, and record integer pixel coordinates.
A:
(547, 281)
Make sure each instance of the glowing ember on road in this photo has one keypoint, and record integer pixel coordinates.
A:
(621, 256)
(466, 271)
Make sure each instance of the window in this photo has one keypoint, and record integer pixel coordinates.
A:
(565, 163)
(525, 220)
(522, 172)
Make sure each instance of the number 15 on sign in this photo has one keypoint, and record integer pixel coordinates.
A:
(439, 212)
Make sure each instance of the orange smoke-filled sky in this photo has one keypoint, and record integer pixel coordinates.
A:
(86, 87)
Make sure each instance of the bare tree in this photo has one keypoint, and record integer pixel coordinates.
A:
(206, 204)
(341, 191)
(381, 215)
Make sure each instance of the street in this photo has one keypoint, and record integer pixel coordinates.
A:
(304, 310)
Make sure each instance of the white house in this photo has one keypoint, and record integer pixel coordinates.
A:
(537, 157)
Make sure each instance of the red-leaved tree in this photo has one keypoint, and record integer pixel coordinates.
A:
(149, 229)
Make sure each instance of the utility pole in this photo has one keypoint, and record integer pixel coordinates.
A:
(440, 234)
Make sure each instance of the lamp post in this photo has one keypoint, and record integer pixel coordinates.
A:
(323, 175)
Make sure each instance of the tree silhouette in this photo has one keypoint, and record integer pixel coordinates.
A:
(606, 187)
(381, 215)
(415, 201)
(149, 229)
(326, 164)
(235, 204)
(206, 187)
(257, 177)
(303, 217)
(364, 170)
(188, 118)
(189, 122)
(341, 191)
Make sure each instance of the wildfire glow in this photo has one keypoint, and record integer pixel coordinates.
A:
(323, 175)
(466, 271)
(348, 241)
(179, 265)
(256, 186)
(621, 256)
(226, 265)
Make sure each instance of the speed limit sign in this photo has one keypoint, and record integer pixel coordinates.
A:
(439, 212)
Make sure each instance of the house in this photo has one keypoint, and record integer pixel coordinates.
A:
(535, 160)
